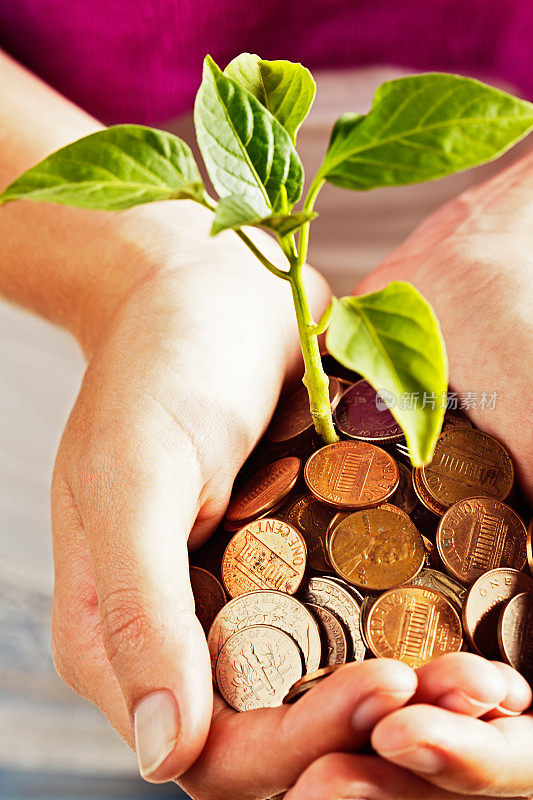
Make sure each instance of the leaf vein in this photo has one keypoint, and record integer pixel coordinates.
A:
(435, 126)
(429, 111)
(397, 111)
(243, 149)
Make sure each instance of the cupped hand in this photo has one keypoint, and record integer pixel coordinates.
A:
(182, 379)
(460, 735)
(473, 260)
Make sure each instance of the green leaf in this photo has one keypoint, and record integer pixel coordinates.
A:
(287, 89)
(246, 150)
(233, 212)
(116, 168)
(421, 128)
(345, 125)
(393, 338)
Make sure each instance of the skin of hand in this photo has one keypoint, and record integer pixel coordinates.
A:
(473, 261)
(181, 382)
(454, 732)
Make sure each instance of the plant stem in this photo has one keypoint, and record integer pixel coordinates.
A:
(209, 203)
(279, 273)
(303, 243)
(315, 380)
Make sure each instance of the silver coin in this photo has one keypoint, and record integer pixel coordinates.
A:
(336, 645)
(268, 608)
(356, 594)
(256, 667)
(331, 595)
(366, 605)
(440, 582)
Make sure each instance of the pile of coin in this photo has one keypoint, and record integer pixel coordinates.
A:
(341, 552)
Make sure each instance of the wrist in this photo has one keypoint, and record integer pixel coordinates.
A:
(136, 246)
(168, 244)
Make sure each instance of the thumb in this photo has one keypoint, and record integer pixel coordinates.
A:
(139, 502)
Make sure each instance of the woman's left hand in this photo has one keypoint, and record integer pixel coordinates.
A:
(430, 752)
(472, 260)
(300, 745)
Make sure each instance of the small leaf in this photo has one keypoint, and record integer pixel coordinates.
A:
(287, 89)
(393, 339)
(233, 212)
(116, 168)
(246, 150)
(344, 126)
(244, 70)
(285, 224)
(424, 127)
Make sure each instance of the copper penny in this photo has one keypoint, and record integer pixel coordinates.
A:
(344, 384)
(209, 596)
(292, 419)
(256, 667)
(366, 605)
(340, 515)
(308, 682)
(480, 534)
(453, 418)
(268, 608)
(333, 635)
(529, 546)
(351, 475)
(515, 634)
(355, 593)
(424, 496)
(468, 463)
(311, 518)
(414, 625)
(440, 582)
(329, 594)
(362, 414)
(266, 554)
(377, 548)
(425, 521)
(263, 492)
(405, 496)
(432, 559)
(483, 604)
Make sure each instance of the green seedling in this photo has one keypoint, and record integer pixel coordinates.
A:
(247, 118)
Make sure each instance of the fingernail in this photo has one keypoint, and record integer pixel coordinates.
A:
(373, 707)
(417, 759)
(508, 712)
(460, 702)
(156, 726)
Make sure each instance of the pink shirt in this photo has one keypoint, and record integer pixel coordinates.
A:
(140, 60)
